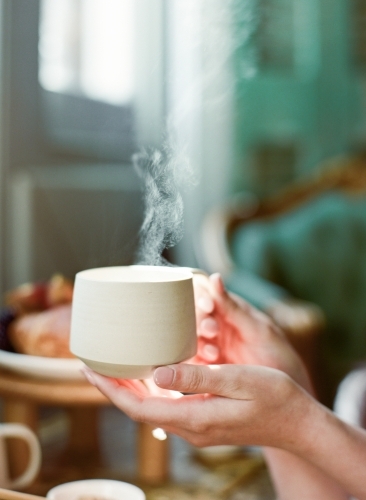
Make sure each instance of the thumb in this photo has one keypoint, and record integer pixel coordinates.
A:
(231, 381)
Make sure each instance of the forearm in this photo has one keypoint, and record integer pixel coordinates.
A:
(293, 477)
(333, 447)
(318, 452)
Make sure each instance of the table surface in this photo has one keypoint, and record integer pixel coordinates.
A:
(50, 392)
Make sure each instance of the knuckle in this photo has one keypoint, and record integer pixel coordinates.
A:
(230, 385)
(236, 384)
(202, 427)
(192, 381)
(196, 380)
(196, 424)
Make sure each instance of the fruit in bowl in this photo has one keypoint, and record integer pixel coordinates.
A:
(37, 319)
(36, 297)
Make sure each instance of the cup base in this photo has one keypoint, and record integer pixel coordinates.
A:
(120, 371)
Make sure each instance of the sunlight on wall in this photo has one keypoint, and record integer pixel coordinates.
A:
(87, 48)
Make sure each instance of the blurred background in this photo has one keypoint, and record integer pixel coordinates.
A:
(249, 97)
(85, 84)
(258, 91)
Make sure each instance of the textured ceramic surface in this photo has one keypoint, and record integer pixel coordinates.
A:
(127, 320)
(96, 488)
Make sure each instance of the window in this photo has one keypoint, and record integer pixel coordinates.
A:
(76, 101)
(86, 48)
(90, 66)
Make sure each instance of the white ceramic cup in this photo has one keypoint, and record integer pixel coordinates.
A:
(128, 320)
(19, 431)
(96, 488)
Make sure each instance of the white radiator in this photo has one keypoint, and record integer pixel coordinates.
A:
(71, 217)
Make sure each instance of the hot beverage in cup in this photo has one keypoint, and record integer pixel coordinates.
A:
(127, 320)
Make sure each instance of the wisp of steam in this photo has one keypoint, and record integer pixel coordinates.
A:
(163, 173)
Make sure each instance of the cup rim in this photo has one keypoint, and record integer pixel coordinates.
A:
(100, 274)
(93, 483)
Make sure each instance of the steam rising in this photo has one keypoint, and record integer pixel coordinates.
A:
(228, 29)
(163, 173)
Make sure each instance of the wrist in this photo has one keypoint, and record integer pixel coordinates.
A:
(289, 408)
(301, 411)
(312, 424)
(333, 446)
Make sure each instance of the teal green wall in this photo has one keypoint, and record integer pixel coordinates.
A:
(297, 87)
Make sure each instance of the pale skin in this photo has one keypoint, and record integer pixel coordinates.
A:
(257, 392)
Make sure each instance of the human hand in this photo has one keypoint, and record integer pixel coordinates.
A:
(231, 404)
(207, 326)
(232, 331)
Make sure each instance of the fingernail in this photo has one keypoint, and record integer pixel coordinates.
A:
(210, 352)
(205, 304)
(209, 327)
(216, 278)
(89, 376)
(164, 376)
